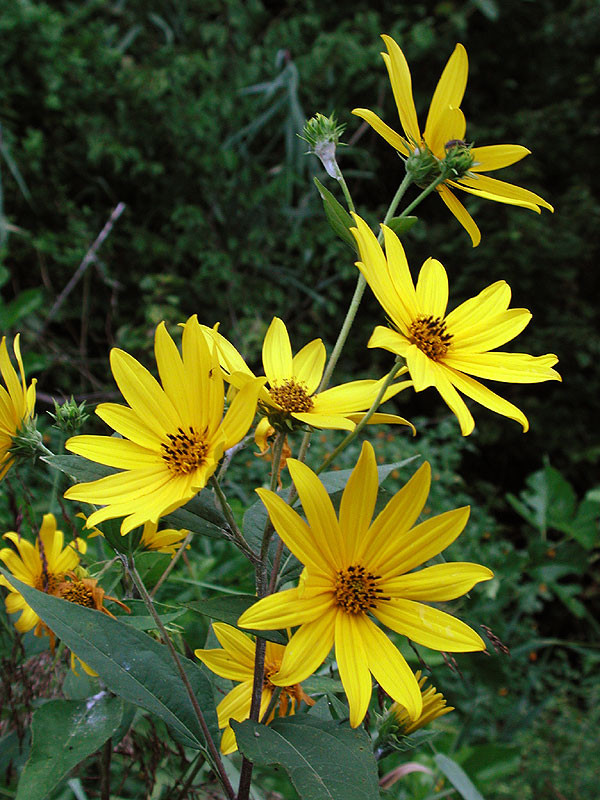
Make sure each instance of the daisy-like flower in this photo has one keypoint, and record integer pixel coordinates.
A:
(236, 662)
(290, 397)
(174, 434)
(355, 570)
(17, 402)
(43, 566)
(434, 706)
(444, 349)
(443, 140)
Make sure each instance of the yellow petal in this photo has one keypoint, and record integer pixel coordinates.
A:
(443, 383)
(353, 396)
(358, 502)
(352, 661)
(223, 664)
(423, 370)
(114, 452)
(337, 422)
(400, 79)
(236, 704)
(236, 643)
(500, 192)
(508, 367)
(320, 515)
(389, 667)
(379, 543)
(300, 539)
(277, 353)
(241, 412)
(126, 422)
(378, 418)
(495, 332)
(306, 650)
(400, 277)
(460, 212)
(283, 610)
(380, 127)
(172, 374)
(429, 626)
(390, 340)
(228, 742)
(496, 156)
(481, 394)
(448, 92)
(451, 127)
(437, 583)
(424, 541)
(490, 302)
(204, 378)
(308, 365)
(432, 289)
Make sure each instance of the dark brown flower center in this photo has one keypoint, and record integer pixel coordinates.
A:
(78, 592)
(356, 589)
(185, 451)
(291, 396)
(430, 336)
(47, 582)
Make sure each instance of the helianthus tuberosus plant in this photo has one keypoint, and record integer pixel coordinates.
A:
(350, 581)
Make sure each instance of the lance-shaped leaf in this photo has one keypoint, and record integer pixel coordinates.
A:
(400, 225)
(132, 664)
(64, 732)
(339, 219)
(229, 608)
(325, 760)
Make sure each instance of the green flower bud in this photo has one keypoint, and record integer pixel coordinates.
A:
(322, 134)
(459, 158)
(69, 417)
(422, 166)
(27, 442)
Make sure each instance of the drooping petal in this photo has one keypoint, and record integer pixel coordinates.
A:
(241, 412)
(284, 610)
(353, 665)
(460, 212)
(443, 383)
(400, 79)
(437, 583)
(277, 353)
(500, 192)
(496, 156)
(353, 396)
(423, 370)
(236, 704)
(380, 127)
(429, 626)
(432, 289)
(336, 422)
(358, 502)
(448, 93)
(306, 650)
(485, 397)
(389, 667)
(308, 365)
(490, 302)
(396, 518)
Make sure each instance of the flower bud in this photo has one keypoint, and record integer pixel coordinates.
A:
(459, 158)
(322, 135)
(422, 166)
(69, 417)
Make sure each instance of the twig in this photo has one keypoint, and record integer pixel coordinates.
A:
(88, 258)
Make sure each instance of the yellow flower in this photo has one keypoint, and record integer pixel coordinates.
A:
(236, 662)
(444, 350)
(17, 402)
(444, 134)
(42, 566)
(174, 434)
(434, 706)
(354, 569)
(291, 395)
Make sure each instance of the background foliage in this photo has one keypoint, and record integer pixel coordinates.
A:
(188, 112)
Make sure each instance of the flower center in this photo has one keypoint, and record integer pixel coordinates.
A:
(78, 592)
(185, 451)
(291, 396)
(430, 336)
(356, 589)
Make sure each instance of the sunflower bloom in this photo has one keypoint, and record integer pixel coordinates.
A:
(444, 350)
(43, 566)
(236, 662)
(443, 139)
(290, 398)
(356, 570)
(434, 706)
(173, 435)
(17, 402)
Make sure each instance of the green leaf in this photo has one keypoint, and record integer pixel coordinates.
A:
(325, 760)
(339, 219)
(229, 608)
(400, 225)
(140, 619)
(457, 777)
(132, 664)
(64, 732)
(79, 468)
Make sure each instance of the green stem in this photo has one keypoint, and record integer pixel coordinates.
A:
(352, 436)
(345, 190)
(428, 190)
(236, 534)
(261, 574)
(216, 757)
